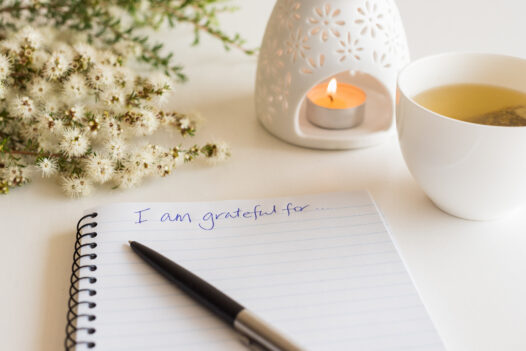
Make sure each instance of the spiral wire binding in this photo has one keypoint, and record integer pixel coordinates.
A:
(73, 317)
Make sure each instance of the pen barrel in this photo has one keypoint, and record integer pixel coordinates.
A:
(250, 325)
(206, 294)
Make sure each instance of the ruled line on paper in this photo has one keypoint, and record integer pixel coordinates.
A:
(295, 240)
(305, 331)
(195, 306)
(245, 288)
(266, 264)
(423, 330)
(262, 286)
(260, 254)
(253, 299)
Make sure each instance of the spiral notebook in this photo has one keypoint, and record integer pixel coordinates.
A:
(322, 268)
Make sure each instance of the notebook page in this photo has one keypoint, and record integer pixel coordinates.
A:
(320, 268)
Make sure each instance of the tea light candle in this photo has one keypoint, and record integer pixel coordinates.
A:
(336, 105)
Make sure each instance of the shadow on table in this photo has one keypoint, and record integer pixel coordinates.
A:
(235, 118)
(54, 292)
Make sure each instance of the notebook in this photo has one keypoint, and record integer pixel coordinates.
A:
(323, 269)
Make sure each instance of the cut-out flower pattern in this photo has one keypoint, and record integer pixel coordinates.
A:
(381, 59)
(313, 63)
(265, 101)
(369, 18)
(297, 45)
(350, 47)
(325, 22)
(288, 13)
(281, 91)
(394, 36)
(270, 58)
(392, 41)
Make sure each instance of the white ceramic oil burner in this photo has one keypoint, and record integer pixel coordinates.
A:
(307, 43)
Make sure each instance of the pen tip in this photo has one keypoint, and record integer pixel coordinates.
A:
(130, 242)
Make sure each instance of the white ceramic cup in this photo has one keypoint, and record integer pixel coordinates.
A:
(469, 170)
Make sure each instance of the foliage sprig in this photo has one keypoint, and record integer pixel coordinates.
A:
(123, 21)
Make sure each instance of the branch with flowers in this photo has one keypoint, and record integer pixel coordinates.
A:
(72, 106)
(123, 22)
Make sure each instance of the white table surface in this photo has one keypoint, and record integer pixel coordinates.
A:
(471, 274)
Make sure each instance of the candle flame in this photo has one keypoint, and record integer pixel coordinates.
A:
(332, 87)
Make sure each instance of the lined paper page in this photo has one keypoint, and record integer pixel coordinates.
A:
(321, 268)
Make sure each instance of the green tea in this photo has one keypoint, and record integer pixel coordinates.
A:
(477, 103)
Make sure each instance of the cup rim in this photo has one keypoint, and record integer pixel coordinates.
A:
(454, 53)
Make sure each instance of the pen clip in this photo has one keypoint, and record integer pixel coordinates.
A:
(251, 344)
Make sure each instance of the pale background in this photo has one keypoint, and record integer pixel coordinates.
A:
(471, 275)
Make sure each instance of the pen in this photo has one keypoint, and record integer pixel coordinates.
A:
(256, 333)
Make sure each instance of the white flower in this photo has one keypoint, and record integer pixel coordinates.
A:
(220, 153)
(147, 123)
(111, 129)
(48, 34)
(23, 106)
(223, 151)
(30, 130)
(114, 97)
(155, 150)
(29, 36)
(142, 162)
(10, 47)
(184, 122)
(101, 76)
(3, 90)
(51, 106)
(74, 143)
(116, 148)
(75, 86)
(47, 122)
(86, 51)
(39, 88)
(162, 86)
(5, 66)
(64, 49)
(106, 57)
(57, 65)
(40, 58)
(48, 167)
(165, 166)
(76, 186)
(128, 178)
(14, 175)
(99, 169)
(162, 82)
(124, 77)
(93, 126)
(76, 112)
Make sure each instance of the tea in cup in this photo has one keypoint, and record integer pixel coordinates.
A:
(468, 153)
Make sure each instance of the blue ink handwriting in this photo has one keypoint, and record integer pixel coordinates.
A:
(209, 220)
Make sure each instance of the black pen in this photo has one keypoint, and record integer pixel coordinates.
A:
(257, 334)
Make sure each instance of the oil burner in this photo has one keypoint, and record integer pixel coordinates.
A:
(356, 45)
